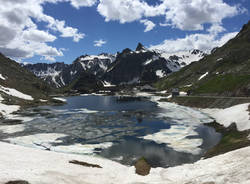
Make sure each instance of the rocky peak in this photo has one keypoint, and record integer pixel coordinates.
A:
(140, 47)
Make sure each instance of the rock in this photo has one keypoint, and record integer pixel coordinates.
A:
(17, 182)
(232, 127)
(142, 167)
(85, 164)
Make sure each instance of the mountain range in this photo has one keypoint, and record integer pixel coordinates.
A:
(127, 67)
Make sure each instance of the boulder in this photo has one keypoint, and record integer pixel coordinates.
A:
(142, 167)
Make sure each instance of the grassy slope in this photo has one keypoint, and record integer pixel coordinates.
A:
(22, 80)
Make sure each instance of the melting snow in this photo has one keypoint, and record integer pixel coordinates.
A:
(176, 138)
(237, 114)
(15, 93)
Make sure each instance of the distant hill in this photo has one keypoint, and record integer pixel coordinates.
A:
(225, 72)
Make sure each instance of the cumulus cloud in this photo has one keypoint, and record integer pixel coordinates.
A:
(192, 14)
(181, 14)
(99, 43)
(149, 25)
(20, 37)
(128, 10)
(204, 42)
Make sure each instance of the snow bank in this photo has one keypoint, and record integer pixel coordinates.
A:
(37, 166)
(15, 93)
(237, 114)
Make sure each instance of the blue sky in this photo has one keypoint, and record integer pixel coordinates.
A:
(61, 30)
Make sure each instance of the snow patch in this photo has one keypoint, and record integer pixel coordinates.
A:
(8, 109)
(160, 73)
(176, 138)
(15, 93)
(107, 84)
(60, 99)
(238, 114)
(2, 77)
(204, 75)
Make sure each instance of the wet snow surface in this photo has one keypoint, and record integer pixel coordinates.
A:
(121, 130)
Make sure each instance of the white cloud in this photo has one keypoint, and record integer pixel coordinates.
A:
(182, 14)
(149, 25)
(216, 28)
(204, 42)
(20, 37)
(192, 14)
(79, 3)
(38, 36)
(127, 10)
(99, 43)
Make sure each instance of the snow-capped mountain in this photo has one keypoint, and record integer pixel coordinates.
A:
(127, 67)
(184, 57)
(60, 74)
(51, 73)
(95, 64)
(141, 65)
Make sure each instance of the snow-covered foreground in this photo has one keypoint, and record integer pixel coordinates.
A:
(238, 114)
(44, 167)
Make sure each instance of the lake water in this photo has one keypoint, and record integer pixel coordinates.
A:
(123, 130)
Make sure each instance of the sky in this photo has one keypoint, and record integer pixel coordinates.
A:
(62, 30)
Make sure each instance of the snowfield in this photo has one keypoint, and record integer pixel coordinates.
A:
(45, 167)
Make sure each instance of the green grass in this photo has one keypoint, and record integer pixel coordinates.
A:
(232, 139)
(223, 83)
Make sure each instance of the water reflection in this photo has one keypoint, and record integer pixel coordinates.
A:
(100, 119)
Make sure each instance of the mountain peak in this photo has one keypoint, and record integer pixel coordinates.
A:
(140, 47)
